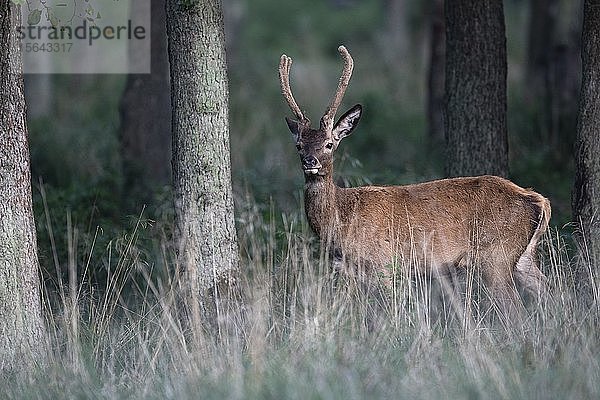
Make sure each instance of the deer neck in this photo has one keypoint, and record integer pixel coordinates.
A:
(320, 202)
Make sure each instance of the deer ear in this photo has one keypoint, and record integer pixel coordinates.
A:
(294, 127)
(347, 123)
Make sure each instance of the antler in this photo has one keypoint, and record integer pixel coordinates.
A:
(327, 119)
(285, 64)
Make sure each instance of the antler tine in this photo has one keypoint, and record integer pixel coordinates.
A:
(285, 64)
(327, 119)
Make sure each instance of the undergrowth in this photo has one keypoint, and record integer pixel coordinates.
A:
(302, 332)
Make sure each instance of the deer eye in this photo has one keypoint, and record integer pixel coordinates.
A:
(299, 147)
(329, 146)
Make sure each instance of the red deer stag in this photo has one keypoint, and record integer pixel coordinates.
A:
(484, 221)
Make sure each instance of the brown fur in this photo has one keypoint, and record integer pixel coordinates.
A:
(486, 222)
(441, 223)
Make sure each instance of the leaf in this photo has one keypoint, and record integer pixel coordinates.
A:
(19, 2)
(34, 17)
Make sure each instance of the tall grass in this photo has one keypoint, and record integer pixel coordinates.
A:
(302, 332)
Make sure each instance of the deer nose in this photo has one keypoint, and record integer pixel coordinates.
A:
(310, 162)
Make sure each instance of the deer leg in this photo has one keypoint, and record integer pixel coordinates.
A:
(504, 295)
(531, 279)
(506, 298)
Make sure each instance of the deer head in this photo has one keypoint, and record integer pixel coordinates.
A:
(316, 146)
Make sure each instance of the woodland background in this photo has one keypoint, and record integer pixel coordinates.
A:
(100, 164)
(100, 161)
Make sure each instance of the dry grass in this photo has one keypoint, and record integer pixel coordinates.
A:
(303, 333)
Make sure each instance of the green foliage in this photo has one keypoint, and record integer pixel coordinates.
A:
(389, 142)
(77, 143)
(539, 160)
(307, 26)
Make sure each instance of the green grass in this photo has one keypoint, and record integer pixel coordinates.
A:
(302, 333)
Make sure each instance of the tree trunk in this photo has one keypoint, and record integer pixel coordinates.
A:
(542, 55)
(204, 216)
(435, 74)
(146, 118)
(541, 40)
(586, 193)
(565, 80)
(476, 134)
(21, 324)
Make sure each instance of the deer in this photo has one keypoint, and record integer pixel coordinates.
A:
(484, 222)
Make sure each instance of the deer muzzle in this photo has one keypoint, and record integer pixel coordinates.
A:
(311, 165)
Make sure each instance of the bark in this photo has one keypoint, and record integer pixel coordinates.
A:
(435, 74)
(204, 216)
(540, 49)
(146, 118)
(541, 40)
(475, 118)
(21, 324)
(586, 193)
(565, 77)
